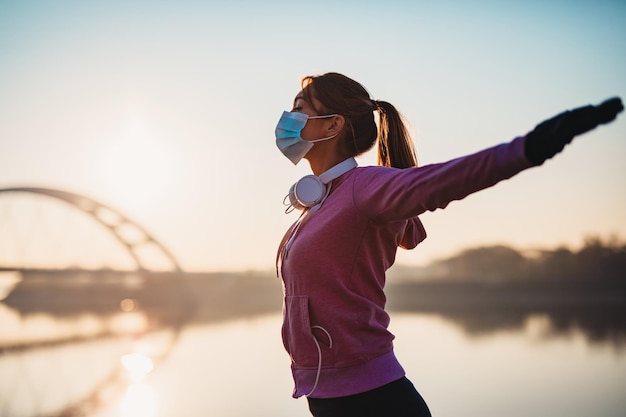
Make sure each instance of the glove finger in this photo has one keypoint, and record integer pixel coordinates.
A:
(609, 109)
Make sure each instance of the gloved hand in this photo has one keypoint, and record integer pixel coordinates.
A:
(551, 136)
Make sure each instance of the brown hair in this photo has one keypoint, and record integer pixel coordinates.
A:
(342, 95)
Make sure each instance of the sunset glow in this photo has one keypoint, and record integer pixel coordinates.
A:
(167, 112)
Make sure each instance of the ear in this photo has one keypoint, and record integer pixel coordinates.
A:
(336, 124)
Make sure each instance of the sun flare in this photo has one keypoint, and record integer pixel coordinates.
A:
(137, 164)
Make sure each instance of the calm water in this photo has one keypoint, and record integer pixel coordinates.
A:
(239, 368)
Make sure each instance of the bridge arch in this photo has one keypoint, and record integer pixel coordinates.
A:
(113, 220)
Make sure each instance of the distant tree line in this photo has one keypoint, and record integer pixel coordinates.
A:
(599, 262)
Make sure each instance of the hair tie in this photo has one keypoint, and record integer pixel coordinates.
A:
(375, 105)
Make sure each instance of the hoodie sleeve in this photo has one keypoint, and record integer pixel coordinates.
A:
(388, 194)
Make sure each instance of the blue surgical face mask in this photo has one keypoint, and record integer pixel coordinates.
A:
(288, 137)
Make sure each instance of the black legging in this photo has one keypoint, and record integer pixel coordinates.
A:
(397, 399)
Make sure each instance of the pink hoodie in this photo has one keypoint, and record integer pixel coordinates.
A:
(335, 324)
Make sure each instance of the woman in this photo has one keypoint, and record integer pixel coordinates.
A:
(333, 259)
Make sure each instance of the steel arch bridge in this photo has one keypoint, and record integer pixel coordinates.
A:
(111, 219)
(159, 308)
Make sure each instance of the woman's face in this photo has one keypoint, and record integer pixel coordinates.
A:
(314, 128)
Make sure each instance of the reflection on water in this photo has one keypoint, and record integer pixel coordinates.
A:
(140, 399)
(99, 345)
(239, 368)
(41, 329)
(77, 365)
(483, 309)
(511, 372)
(137, 366)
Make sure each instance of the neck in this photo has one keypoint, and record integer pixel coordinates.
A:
(319, 167)
(322, 158)
(325, 155)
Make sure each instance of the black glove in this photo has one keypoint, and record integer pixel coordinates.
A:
(551, 136)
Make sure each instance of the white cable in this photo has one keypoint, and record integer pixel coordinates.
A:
(307, 212)
(319, 355)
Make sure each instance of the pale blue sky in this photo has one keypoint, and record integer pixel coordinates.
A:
(166, 110)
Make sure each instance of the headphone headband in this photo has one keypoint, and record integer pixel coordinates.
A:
(338, 170)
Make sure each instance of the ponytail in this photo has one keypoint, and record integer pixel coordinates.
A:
(395, 146)
(342, 95)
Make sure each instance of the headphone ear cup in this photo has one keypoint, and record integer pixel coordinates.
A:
(307, 192)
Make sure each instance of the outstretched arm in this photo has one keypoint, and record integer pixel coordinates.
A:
(551, 136)
(405, 193)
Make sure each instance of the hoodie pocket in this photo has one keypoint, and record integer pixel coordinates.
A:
(298, 336)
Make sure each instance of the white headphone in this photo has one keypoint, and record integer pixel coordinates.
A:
(312, 190)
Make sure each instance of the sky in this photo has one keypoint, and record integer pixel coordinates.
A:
(166, 111)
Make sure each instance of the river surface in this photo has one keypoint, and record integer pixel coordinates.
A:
(239, 368)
